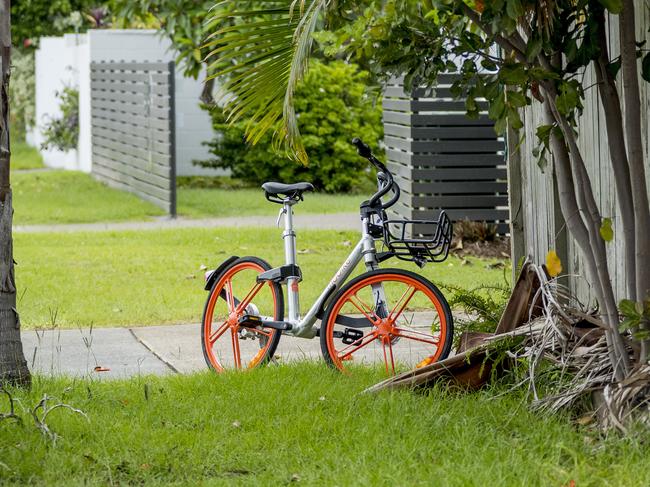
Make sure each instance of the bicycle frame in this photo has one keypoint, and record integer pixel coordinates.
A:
(364, 249)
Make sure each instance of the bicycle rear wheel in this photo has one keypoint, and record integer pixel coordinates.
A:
(226, 344)
(389, 316)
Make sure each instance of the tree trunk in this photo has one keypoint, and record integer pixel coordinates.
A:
(572, 181)
(13, 367)
(618, 155)
(632, 99)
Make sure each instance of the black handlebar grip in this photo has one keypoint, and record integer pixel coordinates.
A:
(362, 149)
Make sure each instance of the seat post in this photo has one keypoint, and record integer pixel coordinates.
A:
(290, 257)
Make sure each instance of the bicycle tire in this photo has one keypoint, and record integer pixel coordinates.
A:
(218, 295)
(335, 315)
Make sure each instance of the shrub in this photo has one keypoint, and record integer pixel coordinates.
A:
(22, 92)
(333, 104)
(63, 132)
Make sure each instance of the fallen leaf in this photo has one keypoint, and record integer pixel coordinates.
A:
(322, 398)
(203, 267)
(495, 265)
(553, 263)
(99, 368)
(305, 251)
(295, 478)
(236, 424)
(191, 276)
(459, 245)
(606, 231)
(346, 243)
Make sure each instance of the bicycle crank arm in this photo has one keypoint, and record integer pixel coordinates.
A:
(252, 321)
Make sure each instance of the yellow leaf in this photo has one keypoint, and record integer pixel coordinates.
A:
(553, 263)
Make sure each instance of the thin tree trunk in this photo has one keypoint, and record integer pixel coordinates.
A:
(595, 250)
(635, 156)
(206, 93)
(13, 367)
(618, 156)
(567, 190)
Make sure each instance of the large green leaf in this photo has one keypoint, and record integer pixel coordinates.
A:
(259, 56)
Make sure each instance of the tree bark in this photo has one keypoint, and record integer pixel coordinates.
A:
(632, 99)
(13, 367)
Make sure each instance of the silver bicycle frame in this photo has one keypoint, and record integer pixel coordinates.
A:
(365, 249)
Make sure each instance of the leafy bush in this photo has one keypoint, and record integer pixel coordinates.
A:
(482, 308)
(22, 92)
(63, 132)
(334, 105)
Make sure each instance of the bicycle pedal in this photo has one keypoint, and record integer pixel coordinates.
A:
(350, 335)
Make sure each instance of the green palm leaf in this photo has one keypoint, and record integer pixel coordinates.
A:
(260, 55)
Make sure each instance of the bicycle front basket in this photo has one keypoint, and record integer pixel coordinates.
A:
(419, 240)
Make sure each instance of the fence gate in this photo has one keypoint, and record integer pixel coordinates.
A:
(133, 129)
(442, 158)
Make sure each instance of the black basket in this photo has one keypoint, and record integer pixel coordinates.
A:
(419, 240)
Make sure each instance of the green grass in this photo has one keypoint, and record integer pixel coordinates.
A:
(151, 277)
(206, 203)
(73, 197)
(303, 424)
(24, 156)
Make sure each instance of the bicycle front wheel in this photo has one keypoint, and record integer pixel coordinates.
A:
(388, 316)
(226, 344)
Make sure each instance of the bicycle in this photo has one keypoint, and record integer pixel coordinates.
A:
(408, 322)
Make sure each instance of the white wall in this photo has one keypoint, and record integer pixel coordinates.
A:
(56, 54)
(57, 64)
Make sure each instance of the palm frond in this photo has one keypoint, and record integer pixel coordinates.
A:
(260, 56)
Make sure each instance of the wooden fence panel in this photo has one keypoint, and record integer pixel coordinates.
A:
(133, 135)
(442, 158)
(543, 226)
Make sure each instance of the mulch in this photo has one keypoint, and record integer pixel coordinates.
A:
(499, 248)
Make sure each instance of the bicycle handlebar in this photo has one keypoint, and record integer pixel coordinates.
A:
(364, 151)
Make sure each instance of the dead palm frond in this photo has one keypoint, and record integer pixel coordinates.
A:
(259, 55)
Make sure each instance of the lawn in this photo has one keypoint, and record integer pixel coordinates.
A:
(24, 156)
(73, 197)
(303, 424)
(153, 277)
(206, 203)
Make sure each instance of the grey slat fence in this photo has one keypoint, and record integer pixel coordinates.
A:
(441, 158)
(133, 129)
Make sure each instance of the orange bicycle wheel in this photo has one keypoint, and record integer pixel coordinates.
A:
(226, 344)
(388, 316)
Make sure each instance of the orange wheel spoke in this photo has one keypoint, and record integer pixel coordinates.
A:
(417, 336)
(401, 304)
(361, 306)
(343, 354)
(235, 348)
(215, 336)
(230, 298)
(261, 332)
(386, 344)
(249, 297)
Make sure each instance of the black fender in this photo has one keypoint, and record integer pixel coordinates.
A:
(213, 276)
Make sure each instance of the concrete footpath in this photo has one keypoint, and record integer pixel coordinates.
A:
(128, 352)
(170, 349)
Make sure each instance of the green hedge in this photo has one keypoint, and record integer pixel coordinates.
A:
(334, 104)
